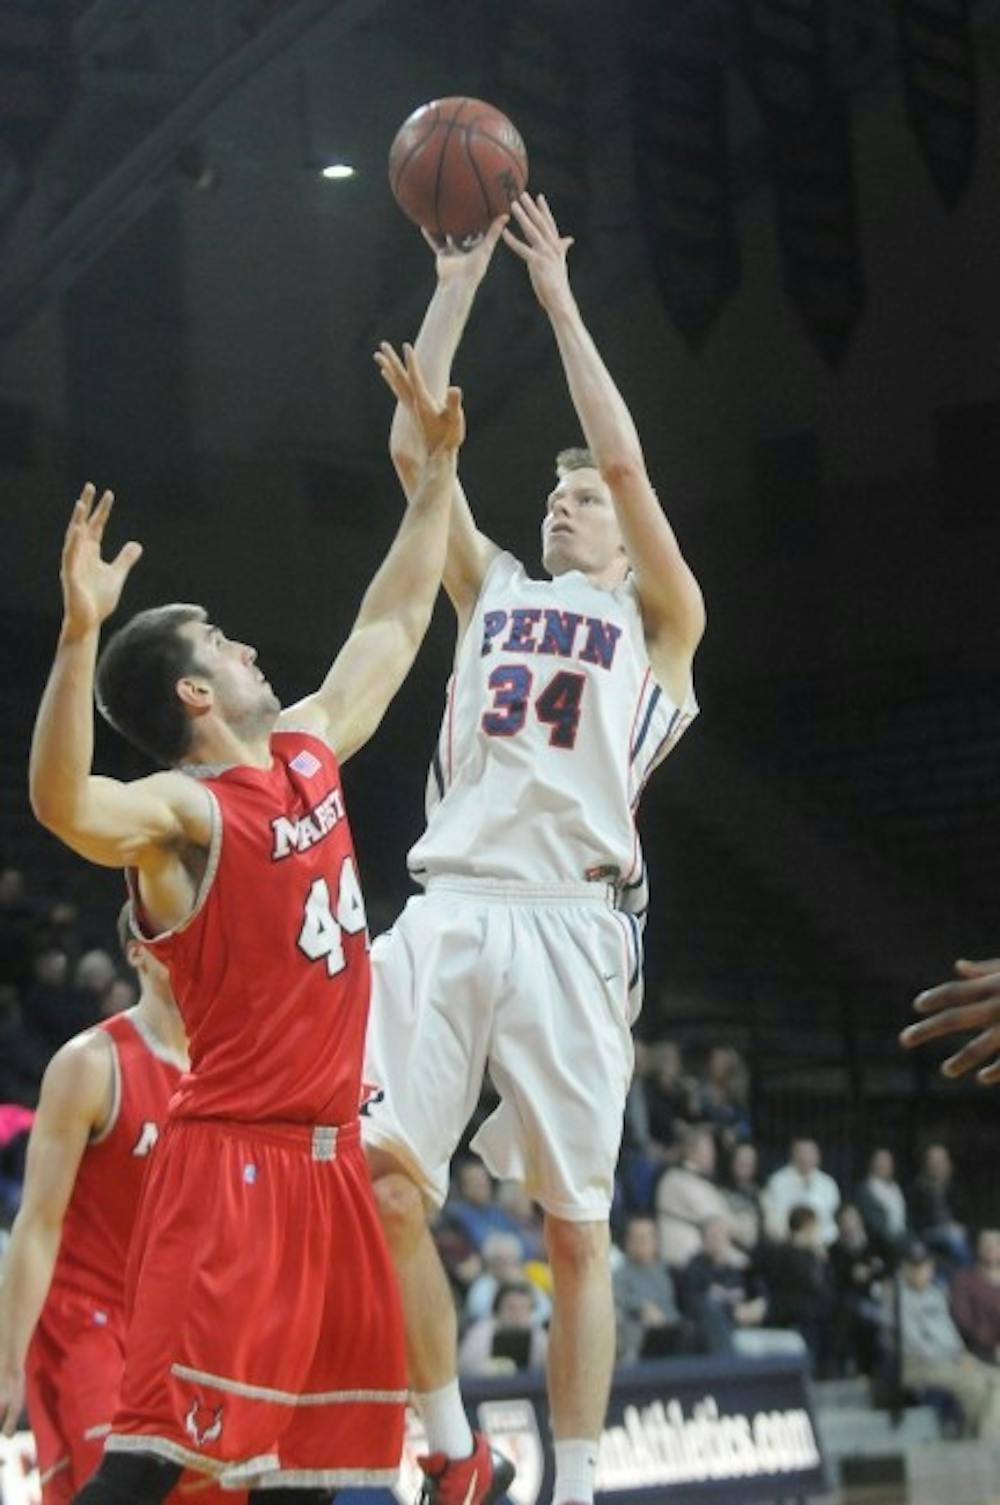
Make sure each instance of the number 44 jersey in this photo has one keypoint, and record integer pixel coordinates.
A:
(552, 726)
(271, 969)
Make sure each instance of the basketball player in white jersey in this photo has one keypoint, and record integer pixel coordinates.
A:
(566, 694)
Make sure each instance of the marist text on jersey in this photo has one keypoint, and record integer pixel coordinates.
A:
(296, 834)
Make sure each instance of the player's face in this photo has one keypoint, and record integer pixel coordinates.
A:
(580, 530)
(239, 691)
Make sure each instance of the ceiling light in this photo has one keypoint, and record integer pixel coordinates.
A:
(336, 170)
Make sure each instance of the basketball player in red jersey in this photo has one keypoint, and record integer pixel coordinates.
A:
(265, 1343)
(103, 1102)
(523, 955)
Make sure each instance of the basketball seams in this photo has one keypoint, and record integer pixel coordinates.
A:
(414, 149)
(441, 159)
(475, 168)
(472, 129)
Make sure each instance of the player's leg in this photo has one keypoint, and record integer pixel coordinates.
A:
(581, 1350)
(130, 1479)
(428, 1307)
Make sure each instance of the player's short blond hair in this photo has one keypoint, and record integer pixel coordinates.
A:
(574, 459)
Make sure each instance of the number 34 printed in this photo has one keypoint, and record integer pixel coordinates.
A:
(558, 706)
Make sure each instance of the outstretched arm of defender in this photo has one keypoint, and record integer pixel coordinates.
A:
(75, 1096)
(672, 605)
(396, 610)
(109, 822)
(458, 277)
(969, 1005)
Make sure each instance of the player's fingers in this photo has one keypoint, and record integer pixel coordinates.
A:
(416, 377)
(949, 995)
(517, 246)
(990, 1075)
(493, 233)
(547, 215)
(532, 211)
(966, 968)
(954, 1021)
(394, 380)
(101, 513)
(984, 1047)
(391, 366)
(525, 220)
(128, 555)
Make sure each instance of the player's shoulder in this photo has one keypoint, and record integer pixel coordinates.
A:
(78, 1076)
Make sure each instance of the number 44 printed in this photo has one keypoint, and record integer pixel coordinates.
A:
(324, 923)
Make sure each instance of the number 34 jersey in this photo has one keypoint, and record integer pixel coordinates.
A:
(271, 970)
(552, 726)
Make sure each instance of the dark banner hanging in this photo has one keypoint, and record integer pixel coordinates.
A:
(938, 58)
(682, 162)
(786, 57)
(36, 81)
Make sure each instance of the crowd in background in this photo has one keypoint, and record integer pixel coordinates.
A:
(713, 1252)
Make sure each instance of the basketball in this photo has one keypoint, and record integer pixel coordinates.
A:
(454, 165)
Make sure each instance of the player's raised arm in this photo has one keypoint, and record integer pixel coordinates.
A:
(672, 605)
(458, 276)
(397, 606)
(75, 1097)
(107, 821)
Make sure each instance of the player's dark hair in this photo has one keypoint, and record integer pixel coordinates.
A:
(801, 1217)
(137, 674)
(512, 1288)
(574, 459)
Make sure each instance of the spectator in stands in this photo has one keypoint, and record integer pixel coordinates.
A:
(687, 1195)
(932, 1352)
(514, 1200)
(800, 1281)
(801, 1183)
(94, 973)
(648, 1319)
(721, 1292)
(931, 1207)
(16, 930)
(508, 1340)
(858, 1269)
(23, 1058)
(671, 1097)
(742, 1192)
(724, 1096)
(882, 1205)
(119, 996)
(472, 1207)
(503, 1264)
(641, 1157)
(51, 1009)
(975, 1298)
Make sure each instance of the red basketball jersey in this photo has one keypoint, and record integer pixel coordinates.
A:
(102, 1209)
(271, 970)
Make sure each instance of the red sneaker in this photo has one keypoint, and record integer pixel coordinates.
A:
(477, 1480)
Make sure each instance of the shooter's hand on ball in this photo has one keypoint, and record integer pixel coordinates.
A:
(952, 1008)
(442, 424)
(543, 250)
(468, 267)
(91, 586)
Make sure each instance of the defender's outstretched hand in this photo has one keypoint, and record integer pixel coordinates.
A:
(543, 249)
(467, 266)
(442, 424)
(92, 586)
(953, 1008)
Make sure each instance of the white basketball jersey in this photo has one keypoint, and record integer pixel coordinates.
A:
(553, 724)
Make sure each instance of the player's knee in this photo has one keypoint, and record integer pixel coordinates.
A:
(576, 1250)
(129, 1479)
(400, 1208)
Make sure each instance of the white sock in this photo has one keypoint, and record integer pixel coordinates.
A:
(445, 1421)
(576, 1465)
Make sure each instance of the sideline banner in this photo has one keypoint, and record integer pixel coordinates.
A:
(682, 1430)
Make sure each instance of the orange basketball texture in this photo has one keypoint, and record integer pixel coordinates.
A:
(455, 164)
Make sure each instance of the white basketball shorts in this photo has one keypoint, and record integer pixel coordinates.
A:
(539, 983)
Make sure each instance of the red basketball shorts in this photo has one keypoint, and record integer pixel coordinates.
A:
(73, 1376)
(265, 1340)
